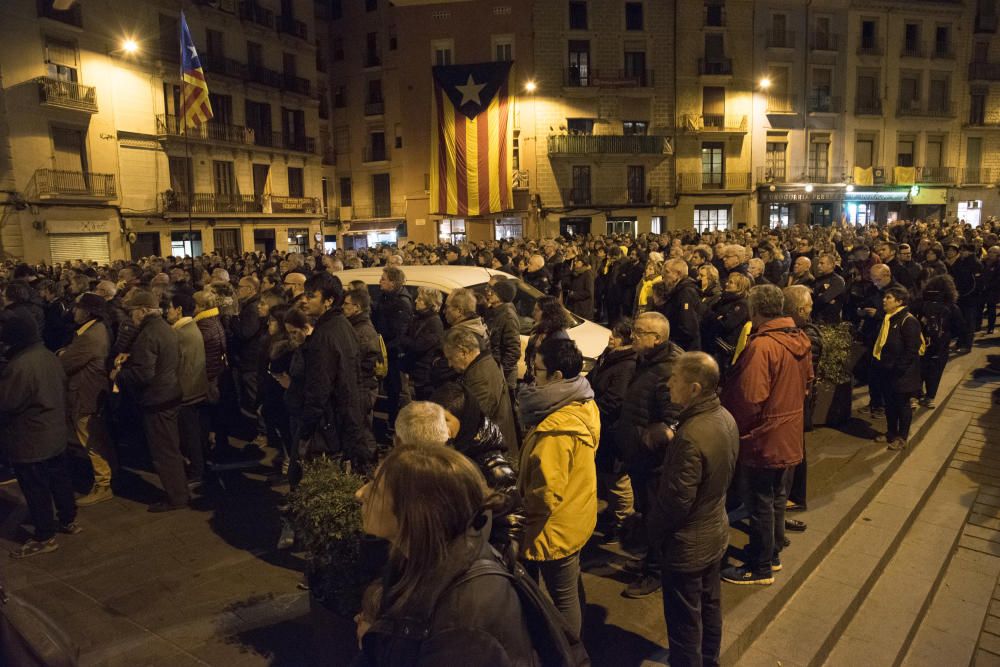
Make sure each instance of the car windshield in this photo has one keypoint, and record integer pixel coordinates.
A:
(524, 304)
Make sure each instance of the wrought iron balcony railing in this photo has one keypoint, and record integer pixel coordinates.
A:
(605, 196)
(375, 108)
(209, 202)
(824, 41)
(62, 184)
(714, 123)
(780, 39)
(171, 125)
(254, 13)
(707, 181)
(984, 71)
(867, 107)
(576, 77)
(72, 16)
(367, 211)
(66, 94)
(977, 176)
(587, 144)
(777, 103)
(715, 66)
(289, 25)
(933, 108)
(936, 174)
(823, 103)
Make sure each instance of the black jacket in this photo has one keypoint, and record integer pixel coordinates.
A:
(150, 373)
(421, 345)
(484, 380)
(688, 511)
(968, 274)
(683, 309)
(368, 349)
(58, 331)
(610, 378)
(900, 358)
(392, 318)
(722, 325)
(505, 339)
(829, 295)
(906, 274)
(32, 406)
(648, 401)
(246, 331)
(541, 280)
(579, 297)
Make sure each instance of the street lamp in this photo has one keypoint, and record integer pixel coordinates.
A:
(130, 46)
(530, 86)
(809, 187)
(765, 83)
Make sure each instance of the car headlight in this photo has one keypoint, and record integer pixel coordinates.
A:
(588, 364)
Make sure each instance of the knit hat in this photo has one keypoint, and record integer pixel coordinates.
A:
(141, 299)
(505, 290)
(92, 303)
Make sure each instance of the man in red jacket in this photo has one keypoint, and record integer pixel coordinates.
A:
(764, 395)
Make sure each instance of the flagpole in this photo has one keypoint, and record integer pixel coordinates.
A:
(188, 170)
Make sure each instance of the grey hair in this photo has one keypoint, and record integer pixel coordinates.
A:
(431, 297)
(463, 339)
(421, 424)
(698, 367)
(464, 300)
(796, 296)
(766, 301)
(660, 323)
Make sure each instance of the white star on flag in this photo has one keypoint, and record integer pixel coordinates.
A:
(470, 92)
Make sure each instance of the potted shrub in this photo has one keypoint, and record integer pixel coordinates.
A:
(834, 377)
(327, 521)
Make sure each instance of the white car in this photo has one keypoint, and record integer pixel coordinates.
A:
(591, 338)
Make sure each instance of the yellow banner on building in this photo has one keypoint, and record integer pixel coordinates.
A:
(864, 176)
(904, 175)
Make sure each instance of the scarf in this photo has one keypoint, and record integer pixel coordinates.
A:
(536, 402)
(82, 330)
(741, 342)
(211, 312)
(883, 333)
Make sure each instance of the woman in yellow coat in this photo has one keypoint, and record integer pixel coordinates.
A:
(558, 477)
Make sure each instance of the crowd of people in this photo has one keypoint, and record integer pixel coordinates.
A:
(698, 405)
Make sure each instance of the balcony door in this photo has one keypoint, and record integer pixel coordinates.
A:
(581, 184)
(261, 175)
(69, 149)
(225, 182)
(637, 185)
(381, 196)
(579, 62)
(712, 164)
(227, 242)
(713, 106)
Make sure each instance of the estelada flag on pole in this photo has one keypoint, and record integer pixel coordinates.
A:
(195, 105)
(471, 139)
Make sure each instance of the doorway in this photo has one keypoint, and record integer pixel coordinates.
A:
(227, 242)
(147, 244)
(569, 227)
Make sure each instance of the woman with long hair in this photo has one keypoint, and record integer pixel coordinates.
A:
(421, 343)
(431, 505)
(551, 321)
(708, 285)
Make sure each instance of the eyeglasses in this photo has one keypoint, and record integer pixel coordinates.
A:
(638, 332)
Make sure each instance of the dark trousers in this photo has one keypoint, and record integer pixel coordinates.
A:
(898, 416)
(991, 315)
(876, 384)
(44, 484)
(393, 385)
(165, 450)
(189, 429)
(931, 370)
(564, 585)
(642, 490)
(972, 314)
(797, 484)
(766, 495)
(693, 611)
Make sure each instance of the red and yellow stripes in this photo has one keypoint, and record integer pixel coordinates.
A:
(469, 171)
(195, 103)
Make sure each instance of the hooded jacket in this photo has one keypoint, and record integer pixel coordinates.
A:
(191, 365)
(84, 361)
(683, 309)
(421, 345)
(764, 394)
(558, 481)
(477, 326)
(32, 404)
(647, 400)
(505, 339)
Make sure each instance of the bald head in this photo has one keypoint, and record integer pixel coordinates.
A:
(881, 275)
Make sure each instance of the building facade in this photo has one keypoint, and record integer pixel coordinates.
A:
(100, 162)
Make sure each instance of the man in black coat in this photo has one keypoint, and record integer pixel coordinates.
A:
(968, 274)
(688, 518)
(149, 375)
(33, 432)
(579, 297)
(904, 269)
(505, 328)
(246, 333)
(331, 420)
(393, 313)
(682, 306)
(829, 291)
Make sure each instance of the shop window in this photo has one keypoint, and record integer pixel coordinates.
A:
(298, 239)
(508, 228)
(711, 218)
(621, 227)
(452, 230)
(779, 216)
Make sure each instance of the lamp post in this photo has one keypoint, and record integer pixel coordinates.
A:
(530, 87)
(763, 84)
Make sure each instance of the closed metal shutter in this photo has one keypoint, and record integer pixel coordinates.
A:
(71, 247)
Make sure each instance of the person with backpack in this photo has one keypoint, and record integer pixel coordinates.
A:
(940, 321)
(896, 356)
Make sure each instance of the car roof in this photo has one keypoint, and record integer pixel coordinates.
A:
(446, 277)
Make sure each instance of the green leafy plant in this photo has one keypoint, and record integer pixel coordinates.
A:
(833, 361)
(327, 521)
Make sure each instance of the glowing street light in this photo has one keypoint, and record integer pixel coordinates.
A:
(809, 188)
(850, 188)
(530, 86)
(129, 45)
(765, 83)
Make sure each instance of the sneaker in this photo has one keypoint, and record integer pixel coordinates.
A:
(795, 525)
(929, 403)
(71, 528)
(792, 506)
(642, 587)
(634, 566)
(896, 445)
(34, 548)
(877, 412)
(913, 403)
(776, 564)
(744, 576)
(612, 535)
(98, 494)
(881, 438)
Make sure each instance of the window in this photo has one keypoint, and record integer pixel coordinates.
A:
(909, 92)
(296, 182)
(637, 193)
(293, 128)
(503, 48)
(372, 56)
(399, 136)
(774, 161)
(255, 55)
(939, 97)
(942, 41)
(577, 15)
(69, 148)
(712, 161)
(298, 240)
(904, 151)
(715, 14)
(225, 184)
(819, 158)
(635, 128)
(61, 60)
(215, 44)
(338, 48)
(869, 35)
(635, 67)
(580, 193)
(934, 155)
(345, 191)
(713, 106)
(371, 5)
(621, 226)
(656, 225)
(260, 173)
(222, 108)
(869, 99)
(381, 196)
(778, 215)
(342, 140)
(185, 244)
(633, 16)
(977, 108)
(258, 118)
(441, 51)
(823, 36)
(374, 91)
(168, 37)
(181, 178)
(376, 147)
(580, 125)
(336, 10)
(508, 228)
(864, 151)
(452, 230)
(579, 62)
(339, 97)
(289, 64)
(911, 39)
(779, 36)
(822, 87)
(711, 218)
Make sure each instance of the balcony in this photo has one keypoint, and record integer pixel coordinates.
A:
(977, 176)
(58, 184)
(823, 103)
(781, 103)
(374, 154)
(986, 23)
(880, 175)
(936, 175)
(218, 64)
(265, 76)
(375, 108)
(984, 71)
(824, 41)
(713, 182)
(66, 95)
(780, 39)
(289, 143)
(772, 175)
(869, 50)
(173, 126)
(943, 52)
(592, 78)
(329, 156)
(610, 197)
(917, 109)
(610, 144)
(281, 204)
(378, 210)
(797, 174)
(288, 25)
(714, 123)
(253, 13)
(520, 179)
(72, 16)
(296, 84)
(209, 202)
(715, 66)
(867, 107)
(912, 51)
(371, 59)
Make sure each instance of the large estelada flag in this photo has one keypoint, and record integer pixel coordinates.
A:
(471, 139)
(195, 105)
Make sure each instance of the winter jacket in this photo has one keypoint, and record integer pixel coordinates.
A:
(484, 380)
(610, 378)
(722, 325)
(391, 318)
(558, 481)
(683, 309)
(775, 272)
(541, 280)
(968, 274)
(579, 298)
(214, 335)
(764, 394)
(369, 349)
(33, 309)
(900, 355)
(58, 329)
(150, 372)
(421, 345)
(505, 339)
(191, 371)
(84, 362)
(905, 273)
(688, 510)
(32, 406)
(647, 400)
(477, 326)
(829, 295)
